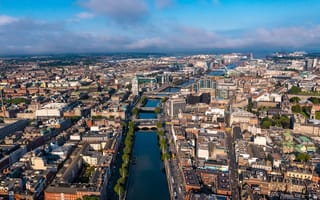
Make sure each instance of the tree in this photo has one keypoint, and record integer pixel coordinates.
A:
(295, 90)
(143, 100)
(17, 101)
(125, 158)
(131, 125)
(314, 100)
(122, 180)
(307, 110)
(162, 144)
(276, 120)
(295, 100)
(118, 188)
(270, 158)
(303, 157)
(266, 123)
(129, 86)
(160, 132)
(127, 150)
(165, 156)
(164, 99)
(91, 197)
(296, 108)
(135, 111)
(159, 125)
(123, 124)
(285, 121)
(157, 110)
(123, 172)
(318, 115)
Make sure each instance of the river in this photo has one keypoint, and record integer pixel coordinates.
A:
(147, 179)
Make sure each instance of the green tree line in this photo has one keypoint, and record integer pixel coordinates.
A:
(128, 142)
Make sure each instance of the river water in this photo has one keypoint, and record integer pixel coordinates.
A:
(147, 179)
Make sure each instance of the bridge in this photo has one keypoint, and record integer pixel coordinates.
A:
(147, 108)
(302, 97)
(163, 87)
(158, 95)
(159, 92)
(146, 124)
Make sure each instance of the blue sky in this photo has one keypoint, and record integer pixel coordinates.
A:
(66, 26)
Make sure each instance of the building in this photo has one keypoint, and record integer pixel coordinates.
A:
(7, 129)
(66, 184)
(175, 105)
(243, 118)
(51, 110)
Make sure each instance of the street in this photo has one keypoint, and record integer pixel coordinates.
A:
(233, 169)
(175, 172)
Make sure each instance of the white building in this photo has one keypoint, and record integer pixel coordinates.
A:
(135, 85)
(260, 140)
(51, 110)
(175, 105)
(203, 151)
(273, 97)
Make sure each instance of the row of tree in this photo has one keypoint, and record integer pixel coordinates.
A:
(314, 100)
(128, 142)
(277, 120)
(298, 90)
(17, 101)
(304, 110)
(143, 100)
(162, 141)
(135, 111)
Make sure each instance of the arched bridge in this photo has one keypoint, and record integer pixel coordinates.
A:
(146, 124)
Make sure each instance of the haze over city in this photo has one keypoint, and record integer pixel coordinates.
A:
(159, 99)
(73, 26)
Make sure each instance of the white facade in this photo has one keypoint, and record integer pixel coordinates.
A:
(259, 140)
(75, 137)
(273, 97)
(276, 97)
(54, 110)
(203, 153)
(135, 86)
(94, 128)
(48, 113)
(38, 163)
(215, 111)
(91, 160)
(176, 104)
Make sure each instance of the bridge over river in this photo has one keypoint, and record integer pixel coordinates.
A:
(146, 123)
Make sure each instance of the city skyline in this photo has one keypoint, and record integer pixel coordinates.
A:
(86, 26)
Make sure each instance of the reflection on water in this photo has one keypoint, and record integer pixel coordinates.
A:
(147, 115)
(147, 179)
(172, 89)
(152, 103)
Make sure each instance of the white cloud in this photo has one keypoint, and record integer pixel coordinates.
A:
(155, 42)
(33, 36)
(4, 19)
(187, 37)
(85, 15)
